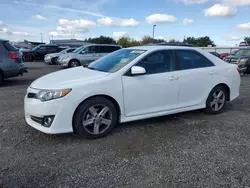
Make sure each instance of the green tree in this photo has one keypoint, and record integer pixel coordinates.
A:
(134, 42)
(147, 40)
(101, 40)
(124, 42)
(247, 40)
(199, 42)
(174, 41)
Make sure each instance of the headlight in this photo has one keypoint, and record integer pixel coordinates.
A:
(65, 57)
(46, 95)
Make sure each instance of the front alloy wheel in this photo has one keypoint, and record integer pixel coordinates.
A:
(74, 63)
(95, 117)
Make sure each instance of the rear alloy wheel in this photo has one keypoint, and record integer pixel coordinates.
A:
(1, 78)
(216, 100)
(95, 118)
(74, 63)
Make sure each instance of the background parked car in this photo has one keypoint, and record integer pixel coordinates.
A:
(86, 54)
(11, 61)
(215, 54)
(241, 58)
(40, 51)
(222, 55)
(52, 58)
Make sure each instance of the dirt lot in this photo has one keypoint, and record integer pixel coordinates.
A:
(185, 150)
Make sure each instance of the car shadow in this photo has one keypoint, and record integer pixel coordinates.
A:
(16, 82)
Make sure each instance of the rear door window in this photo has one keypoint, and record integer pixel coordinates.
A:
(91, 50)
(9, 46)
(51, 49)
(190, 59)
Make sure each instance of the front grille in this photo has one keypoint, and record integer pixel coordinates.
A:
(31, 95)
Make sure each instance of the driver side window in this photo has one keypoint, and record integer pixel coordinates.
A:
(158, 62)
(41, 49)
(89, 50)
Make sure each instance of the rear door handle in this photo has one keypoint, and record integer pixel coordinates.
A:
(173, 78)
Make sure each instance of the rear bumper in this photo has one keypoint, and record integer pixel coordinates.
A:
(23, 70)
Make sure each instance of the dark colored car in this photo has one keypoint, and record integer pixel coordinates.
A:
(215, 54)
(241, 58)
(52, 58)
(39, 52)
(11, 61)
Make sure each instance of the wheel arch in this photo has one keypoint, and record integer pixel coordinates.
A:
(227, 88)
(74, 59)
(117, 106)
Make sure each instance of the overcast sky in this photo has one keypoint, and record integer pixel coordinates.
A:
(225, 21)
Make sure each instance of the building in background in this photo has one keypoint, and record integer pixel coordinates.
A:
(26, 44)
(69, 42)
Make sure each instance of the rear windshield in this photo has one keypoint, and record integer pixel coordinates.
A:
(9, 46)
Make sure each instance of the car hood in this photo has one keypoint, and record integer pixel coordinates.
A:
(67, 78)
(53, 54)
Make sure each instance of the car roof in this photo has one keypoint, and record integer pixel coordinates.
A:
(102, 45)
(3, 40)
(48, 45)
(161, 47)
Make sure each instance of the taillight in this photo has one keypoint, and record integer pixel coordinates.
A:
(13, 56)
(238, 69)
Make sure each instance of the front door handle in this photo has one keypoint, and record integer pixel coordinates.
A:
(173, 78)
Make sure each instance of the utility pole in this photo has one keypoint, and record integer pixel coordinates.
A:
(154, 31)
(41, 37)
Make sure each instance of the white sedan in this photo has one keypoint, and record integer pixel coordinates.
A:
(130, 84)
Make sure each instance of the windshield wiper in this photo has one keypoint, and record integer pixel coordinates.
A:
(87, 66)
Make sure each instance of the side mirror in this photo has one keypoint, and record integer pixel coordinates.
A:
(137, 70)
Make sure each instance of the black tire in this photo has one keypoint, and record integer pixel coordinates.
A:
(83, 109)
(248, 70)
(209, 108)
(74, 63)
(1, 78)
(54, 60)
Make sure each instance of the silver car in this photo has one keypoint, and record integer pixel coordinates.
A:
(86, 54)
(52, 58)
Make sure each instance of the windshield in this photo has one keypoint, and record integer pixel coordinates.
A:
(35, 48)
(64, 51)
(242, 52)
(116, 60)
(77, 50)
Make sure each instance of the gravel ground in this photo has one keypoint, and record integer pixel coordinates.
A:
(185, 150)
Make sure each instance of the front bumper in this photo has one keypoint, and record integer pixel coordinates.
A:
(63, 62)
(47, 60)
(61, 110)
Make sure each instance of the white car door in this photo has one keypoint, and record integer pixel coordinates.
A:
(154, 91)
(197, 76)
